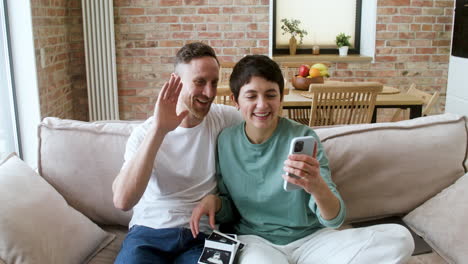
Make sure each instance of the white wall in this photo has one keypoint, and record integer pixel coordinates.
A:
(24, 68)
(457, 87)
(368, 28)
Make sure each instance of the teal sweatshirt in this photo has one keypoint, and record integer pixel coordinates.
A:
(251, 186)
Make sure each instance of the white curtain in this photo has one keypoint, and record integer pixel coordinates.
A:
(323, 20)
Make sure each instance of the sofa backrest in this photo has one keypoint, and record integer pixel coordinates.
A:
(81, 160)
(380, 169)
(391, 168)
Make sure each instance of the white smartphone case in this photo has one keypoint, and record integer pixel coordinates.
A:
(308, 148)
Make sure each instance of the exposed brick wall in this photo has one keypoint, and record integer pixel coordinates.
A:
(412, 46)
(413, 43)
(58, 32)
(77, 70)
(149, 33)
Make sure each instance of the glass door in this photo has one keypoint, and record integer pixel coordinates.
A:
(9, 140)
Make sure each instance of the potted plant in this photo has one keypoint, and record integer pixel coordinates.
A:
(342, 41)
(292, 27)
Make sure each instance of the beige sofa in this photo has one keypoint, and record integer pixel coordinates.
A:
(383, 169)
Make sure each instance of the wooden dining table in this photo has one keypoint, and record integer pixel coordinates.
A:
(295, 100)
(389, 98)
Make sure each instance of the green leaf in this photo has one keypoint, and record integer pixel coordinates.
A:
(292, 27)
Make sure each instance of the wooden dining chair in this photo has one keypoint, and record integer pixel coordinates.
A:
(225, 71)
(343, 103)
(428, 99)
(223, 96)
(300, 115)
(288, 72)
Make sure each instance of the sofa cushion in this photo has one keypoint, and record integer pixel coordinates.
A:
(441, 221)
(391, 168)
(81, 160)
(36, 223)
(109, 253)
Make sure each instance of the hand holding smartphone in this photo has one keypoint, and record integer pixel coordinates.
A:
(299, 145)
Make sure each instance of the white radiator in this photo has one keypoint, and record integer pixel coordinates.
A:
(101, 76)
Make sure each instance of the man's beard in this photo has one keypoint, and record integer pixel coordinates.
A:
(198, 114)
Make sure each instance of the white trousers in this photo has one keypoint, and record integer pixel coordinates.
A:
(387, 243)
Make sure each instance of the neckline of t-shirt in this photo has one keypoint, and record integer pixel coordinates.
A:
(267, 142)
(195, 128)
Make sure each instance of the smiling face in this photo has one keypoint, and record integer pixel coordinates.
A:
(200, 79)
(259, 102)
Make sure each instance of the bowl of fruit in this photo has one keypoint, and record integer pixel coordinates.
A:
(308, 75)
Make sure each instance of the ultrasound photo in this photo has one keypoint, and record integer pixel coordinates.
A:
(214, 256)
(222, 239)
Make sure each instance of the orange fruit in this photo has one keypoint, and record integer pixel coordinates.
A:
(314, 72)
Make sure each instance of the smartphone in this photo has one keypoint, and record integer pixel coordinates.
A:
(299, 145)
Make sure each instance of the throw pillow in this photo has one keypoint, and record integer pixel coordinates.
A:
(91, 155)
(36, 223)
(386, 169)
(441, 221)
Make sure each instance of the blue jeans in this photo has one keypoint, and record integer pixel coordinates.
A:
(168, 245)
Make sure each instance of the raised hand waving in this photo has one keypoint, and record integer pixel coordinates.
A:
(165, 110)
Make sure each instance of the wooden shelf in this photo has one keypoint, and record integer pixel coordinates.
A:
(306, 58)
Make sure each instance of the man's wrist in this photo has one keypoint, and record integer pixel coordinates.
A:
(157, 130)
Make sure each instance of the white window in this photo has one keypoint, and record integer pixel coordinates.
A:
(323, 20)
(19, 125)
(8, 130)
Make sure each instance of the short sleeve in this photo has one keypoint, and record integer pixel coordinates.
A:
(231, 115)
(134, 141)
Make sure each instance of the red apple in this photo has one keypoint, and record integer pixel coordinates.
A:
(304, 70)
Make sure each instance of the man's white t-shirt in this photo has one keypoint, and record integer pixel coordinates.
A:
(183, 171)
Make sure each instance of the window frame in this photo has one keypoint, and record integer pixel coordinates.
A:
(23, 69)
(285, 51)
(10, 80)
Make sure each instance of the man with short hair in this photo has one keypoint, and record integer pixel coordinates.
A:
(170, 163)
